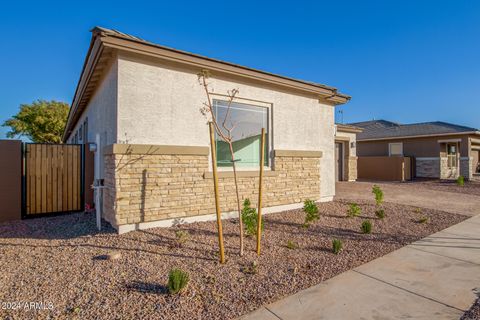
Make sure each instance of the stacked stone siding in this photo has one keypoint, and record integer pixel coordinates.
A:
(447, 172)
(466, 167)
(428, 168)
(352, 168)
(145, 188)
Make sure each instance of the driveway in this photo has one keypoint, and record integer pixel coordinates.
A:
(409, 194)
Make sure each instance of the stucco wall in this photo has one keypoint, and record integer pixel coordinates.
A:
(159, 104)
(416, 147)
(102, 112)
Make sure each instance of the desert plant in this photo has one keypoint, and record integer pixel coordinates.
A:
(251, 268)
(311, 210)
(177, 281)
(291, 245)
(354, 210)
(461, 181)
(380, 213)
(418, 210)
(366, 227)
(250, 218)
(377, 191)
(337, 246)
(423, 220)
(182, 236)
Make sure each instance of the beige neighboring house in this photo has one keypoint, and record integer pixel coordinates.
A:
(140, 103)
(346, 152)
(439, 150)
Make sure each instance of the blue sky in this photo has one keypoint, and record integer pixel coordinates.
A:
(406, 61)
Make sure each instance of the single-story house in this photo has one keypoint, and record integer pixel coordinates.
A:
(140, 103)
(439, 150)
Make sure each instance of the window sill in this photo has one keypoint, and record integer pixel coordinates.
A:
(240, 174)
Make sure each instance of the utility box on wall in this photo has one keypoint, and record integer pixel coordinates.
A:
(10, 180)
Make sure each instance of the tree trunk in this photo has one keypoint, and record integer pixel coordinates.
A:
(238, 197)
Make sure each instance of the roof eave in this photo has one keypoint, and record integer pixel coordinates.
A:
(422, 136)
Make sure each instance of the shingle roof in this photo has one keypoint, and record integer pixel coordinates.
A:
(119, 34)
(378, 129)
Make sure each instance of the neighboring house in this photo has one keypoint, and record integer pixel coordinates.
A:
(440, 150)
(346, 152)
(140, 103)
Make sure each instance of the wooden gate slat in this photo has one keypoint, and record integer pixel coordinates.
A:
(53, 178)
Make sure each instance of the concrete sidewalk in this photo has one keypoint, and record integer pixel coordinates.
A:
(434, 278)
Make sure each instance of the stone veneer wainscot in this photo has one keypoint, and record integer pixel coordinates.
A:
(153, 183)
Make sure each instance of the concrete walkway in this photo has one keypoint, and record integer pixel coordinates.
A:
(407, 194)
(434, 278)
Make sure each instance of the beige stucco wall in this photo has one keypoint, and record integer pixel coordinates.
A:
(159, 104)
(102, 112)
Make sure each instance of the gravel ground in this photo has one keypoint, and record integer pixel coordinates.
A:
(473, 313)
(470, 187)
(61, 261)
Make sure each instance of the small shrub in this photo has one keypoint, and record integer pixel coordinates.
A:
(291, 245)
(251, 268)
(423, 220)
(380, 213)
(250, 218)
(378, 194)
(418, 210)
(337, 246)
(354, 210)
(182, 236)
(461, 181)
(177, 281)
(311, 210)
(366, 227)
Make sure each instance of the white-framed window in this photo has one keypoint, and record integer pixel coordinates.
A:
(452, 154)
(248, 121)
(395, 149)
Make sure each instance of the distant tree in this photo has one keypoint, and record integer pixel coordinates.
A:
(41, 121)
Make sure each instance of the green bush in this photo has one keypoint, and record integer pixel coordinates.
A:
(182, 236)
(311, 210)
(177, 281)
(354, 210)
(378, 194)
(291, 245)
(366, 227)
(380, 213)
(461, 181)
(337, 246)
(423, 220)
(250, 268)
(250, 218)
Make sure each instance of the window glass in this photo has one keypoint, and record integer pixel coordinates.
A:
(452, 155)
(396, 149)
(248, 121)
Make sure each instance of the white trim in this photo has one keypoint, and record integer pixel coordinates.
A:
(390, 149)
(449, 140)
(422, 136)
(326, 199)
(427, 158)
(208, 217)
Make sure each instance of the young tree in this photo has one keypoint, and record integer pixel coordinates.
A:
(41, 121)
(224, 129)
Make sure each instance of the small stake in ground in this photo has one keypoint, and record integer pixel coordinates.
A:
(215, 184)
(259, 222)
